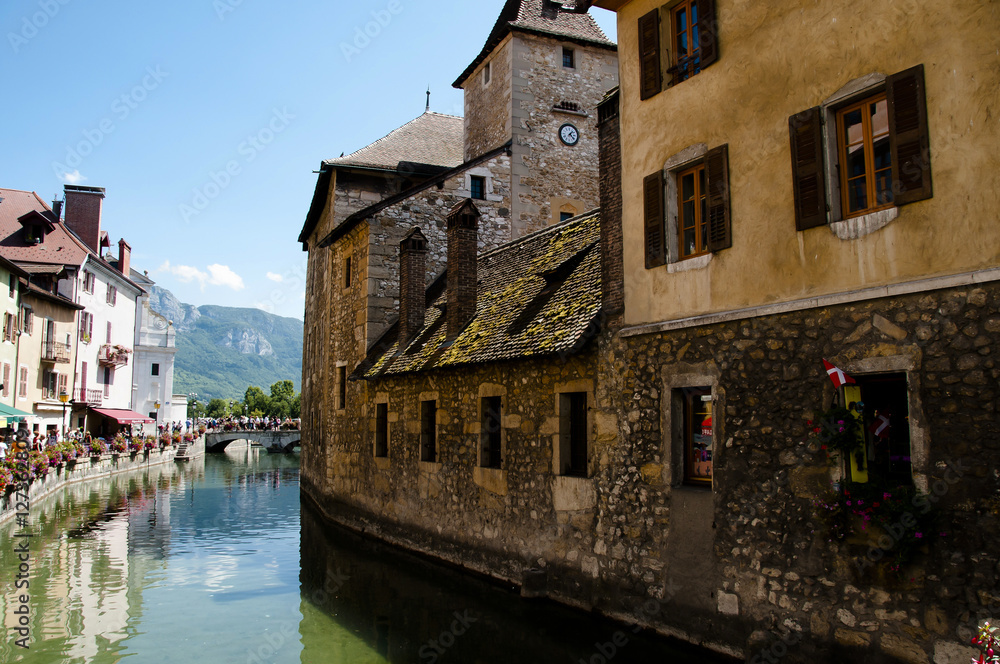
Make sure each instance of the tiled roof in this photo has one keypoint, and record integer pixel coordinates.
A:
(60, 246)
(538, 295)
(559, 19)
(432, 139)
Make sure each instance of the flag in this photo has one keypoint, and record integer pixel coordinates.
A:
(838, 377)
(880, 427)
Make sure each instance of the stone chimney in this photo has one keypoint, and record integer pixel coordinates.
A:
(412, 276)
(463, 276)
(124, 257)
(610, 162)
(83, 213)
(57, 209)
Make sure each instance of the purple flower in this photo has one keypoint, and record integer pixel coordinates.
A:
(919, 535)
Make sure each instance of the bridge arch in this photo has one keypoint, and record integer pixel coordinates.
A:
(272, 441)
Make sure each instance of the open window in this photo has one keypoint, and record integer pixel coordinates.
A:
(882, 402)
(697, 435)
(381, 430)
(676, 41)
(574, 453)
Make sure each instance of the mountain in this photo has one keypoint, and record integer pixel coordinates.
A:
(221, 351)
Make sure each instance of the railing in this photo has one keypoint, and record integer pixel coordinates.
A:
(90, 397)
(55, 352)
(112, 356)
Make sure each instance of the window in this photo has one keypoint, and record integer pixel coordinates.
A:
(563, 216)
(341, 387)
(27, 320)
(22, 383)
(86, 326)
(12, 283)
(882, 402)
(876, 144)
(693, 44)
(569, 58)
(88, 282)
(50, 381)
(477, 185)
(428, 431)
(573, 434)
(112, 296)
(865, 158)
(156, 369)
(109, 377)
(347, 272)
(686, 208)
(486, 73)
(8, 327)
(63, 385)
(697, 434)
(381, 430)
(490, 439)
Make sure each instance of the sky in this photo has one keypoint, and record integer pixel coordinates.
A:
(205, 119)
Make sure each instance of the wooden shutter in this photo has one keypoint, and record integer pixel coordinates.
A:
(908, 136)
(652, 195)
(720, 234)
(6, 380)
(708, 32)
(808, 178)
(649, 55)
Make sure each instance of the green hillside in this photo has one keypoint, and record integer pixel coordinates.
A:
(223, 350)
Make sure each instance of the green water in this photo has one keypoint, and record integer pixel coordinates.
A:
(216, 562)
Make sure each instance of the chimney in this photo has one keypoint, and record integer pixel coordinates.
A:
(463, 249)
(83, 213)
(412, 275)
(610, 166)
(57, 209)
(124, 256)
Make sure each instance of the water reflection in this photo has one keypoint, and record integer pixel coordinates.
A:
(367, 603)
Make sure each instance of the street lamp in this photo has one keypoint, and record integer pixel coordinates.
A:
(64, 397)
(156, 405)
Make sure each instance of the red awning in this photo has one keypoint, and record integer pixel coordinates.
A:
(122, 416)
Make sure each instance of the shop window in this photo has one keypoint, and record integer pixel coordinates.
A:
(697, 434)
(573, 443)
(490, 438)
(883, 404)
(381, 430)
(428, 431)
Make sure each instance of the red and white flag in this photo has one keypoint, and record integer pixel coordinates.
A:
(838, 377)
(880, 427)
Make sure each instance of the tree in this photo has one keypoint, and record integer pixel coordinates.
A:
(256, 401)
(195, 409)
(284, 390)
(218, 408)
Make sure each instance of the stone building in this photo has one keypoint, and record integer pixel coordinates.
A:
(526, 154)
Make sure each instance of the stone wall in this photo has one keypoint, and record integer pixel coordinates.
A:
(488, 105)
(548, 174)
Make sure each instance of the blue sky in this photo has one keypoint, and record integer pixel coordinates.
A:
(204, 119)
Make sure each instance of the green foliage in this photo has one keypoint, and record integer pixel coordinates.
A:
(218, 408)
(838, 429)
(195, 409)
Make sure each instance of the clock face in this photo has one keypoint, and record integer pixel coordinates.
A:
(569, 134)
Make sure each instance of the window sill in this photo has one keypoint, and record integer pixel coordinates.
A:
(430, 467)
(493, 480)
(382, 463)
(696, 263)
(866, 224)
(573, 494)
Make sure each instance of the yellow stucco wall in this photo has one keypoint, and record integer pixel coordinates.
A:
(777, 59)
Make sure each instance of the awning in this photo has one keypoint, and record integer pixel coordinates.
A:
(10, 411)
(122, 416)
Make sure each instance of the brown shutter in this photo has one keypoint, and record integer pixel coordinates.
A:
(649, 55)
(708, 32)
(652, 194)
(720, 234)
(908, 136)
(808, 179)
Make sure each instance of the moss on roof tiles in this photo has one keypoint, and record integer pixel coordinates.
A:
(512, 277)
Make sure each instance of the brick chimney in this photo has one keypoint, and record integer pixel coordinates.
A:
(610, 165)
(83, 213)
(57, 209)
(412, 276)
(124, 256)
(463, 249)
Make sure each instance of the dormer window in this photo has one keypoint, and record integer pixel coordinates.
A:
(35, 225)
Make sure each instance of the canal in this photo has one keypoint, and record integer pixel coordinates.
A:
(216, 562)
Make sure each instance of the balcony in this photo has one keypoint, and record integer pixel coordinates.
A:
(90, 397)
(113, 356)
(55, 352)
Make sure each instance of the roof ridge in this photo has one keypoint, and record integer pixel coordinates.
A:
(397, 129)
(539, 233)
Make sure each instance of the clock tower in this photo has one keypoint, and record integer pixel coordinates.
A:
(537, 83)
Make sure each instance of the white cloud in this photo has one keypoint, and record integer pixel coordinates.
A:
(217, 275)
(275, 277)
(222, 275)
(73, 178)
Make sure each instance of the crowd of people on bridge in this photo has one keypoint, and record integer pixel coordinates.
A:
(244, 423)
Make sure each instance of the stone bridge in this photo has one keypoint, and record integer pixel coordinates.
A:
(273, 441)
